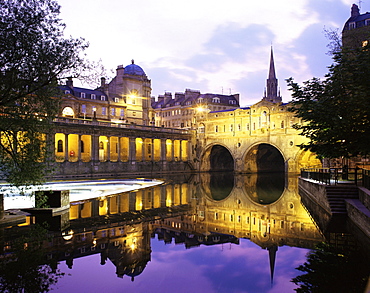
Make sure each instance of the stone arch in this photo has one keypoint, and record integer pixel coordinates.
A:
(264, 157)
(217, 158)
(307, 159)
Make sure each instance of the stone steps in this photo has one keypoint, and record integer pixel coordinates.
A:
(337, 195)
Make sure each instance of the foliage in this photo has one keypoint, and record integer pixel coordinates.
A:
(34, 55)
(335, 112)
(330, 270)
(25, 268)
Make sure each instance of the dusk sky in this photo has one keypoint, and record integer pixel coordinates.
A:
(211, 46)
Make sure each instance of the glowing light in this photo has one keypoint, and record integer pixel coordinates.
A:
(133, 246)
(68, 236)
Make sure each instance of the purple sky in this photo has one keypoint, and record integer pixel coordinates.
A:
(211, 46)
(220, 268)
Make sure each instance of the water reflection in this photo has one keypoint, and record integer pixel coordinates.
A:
(124, 230)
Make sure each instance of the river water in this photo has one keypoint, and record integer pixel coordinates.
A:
(194, 233)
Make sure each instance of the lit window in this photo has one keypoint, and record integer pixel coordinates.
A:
(113, 111)
(116, 100)
(68, 111)
(83, 109)
(365, 43)
(122, 112)
(104, 111)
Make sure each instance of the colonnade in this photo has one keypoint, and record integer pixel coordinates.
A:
(149, 198)
(87, 148)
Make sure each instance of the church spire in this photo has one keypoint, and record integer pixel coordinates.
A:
(272, 83)
(272, 74)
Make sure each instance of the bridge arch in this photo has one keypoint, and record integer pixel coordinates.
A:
(217, 157)
(263, 158)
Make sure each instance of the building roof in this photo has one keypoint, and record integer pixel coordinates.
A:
(357, 18)
(134, 69)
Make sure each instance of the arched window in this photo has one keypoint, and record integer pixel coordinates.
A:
(60, 146)
(68, 111)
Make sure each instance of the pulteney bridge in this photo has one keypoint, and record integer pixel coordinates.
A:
(259, 138)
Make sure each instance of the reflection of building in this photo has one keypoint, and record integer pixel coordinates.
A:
(126, 98)
(179, 112)
(356, 30)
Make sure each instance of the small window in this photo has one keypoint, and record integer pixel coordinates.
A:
(352, 25)
(67, 92)
(93, 97)
(122, 112)
(83, 109)
(116, 100)
(216, 100)
(232, 102)
(104, 111)
(83, 95)
(113, 111)
(102, 98)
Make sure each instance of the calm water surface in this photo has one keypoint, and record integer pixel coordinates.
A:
(204, 233)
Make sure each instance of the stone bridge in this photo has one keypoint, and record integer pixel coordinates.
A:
(259, 138)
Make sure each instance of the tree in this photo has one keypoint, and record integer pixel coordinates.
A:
(335, 112)
(34, 55)
(329, 269)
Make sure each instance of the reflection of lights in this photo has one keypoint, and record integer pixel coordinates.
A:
(94, 242)
(68, 235)
(200, 109)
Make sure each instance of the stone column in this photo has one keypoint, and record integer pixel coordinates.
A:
(108, 149)
(66, 157)
(79, 148)
(163, 149)
(132, 150)
(95, 148)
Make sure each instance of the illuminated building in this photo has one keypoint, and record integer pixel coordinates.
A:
(126, 98)
(179, 112)
(356, 30)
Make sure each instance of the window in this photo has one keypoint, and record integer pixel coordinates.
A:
(232, 102)
(216, 128)
(216, 100)
(122, 112)
(83, 109)
(67, 92)
(200, 100)
(93, 97)
(104, 111)
(282, 124)
(116, 100)
(102, 98)
(113, 111)
(83, 95)
(82, 147)
(352, 25)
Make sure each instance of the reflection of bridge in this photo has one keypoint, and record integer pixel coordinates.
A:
(119, 227)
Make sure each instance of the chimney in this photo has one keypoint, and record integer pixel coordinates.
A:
(69, 82)
(167, 97)
(120, 70)
(355, 11)
(102, 82)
